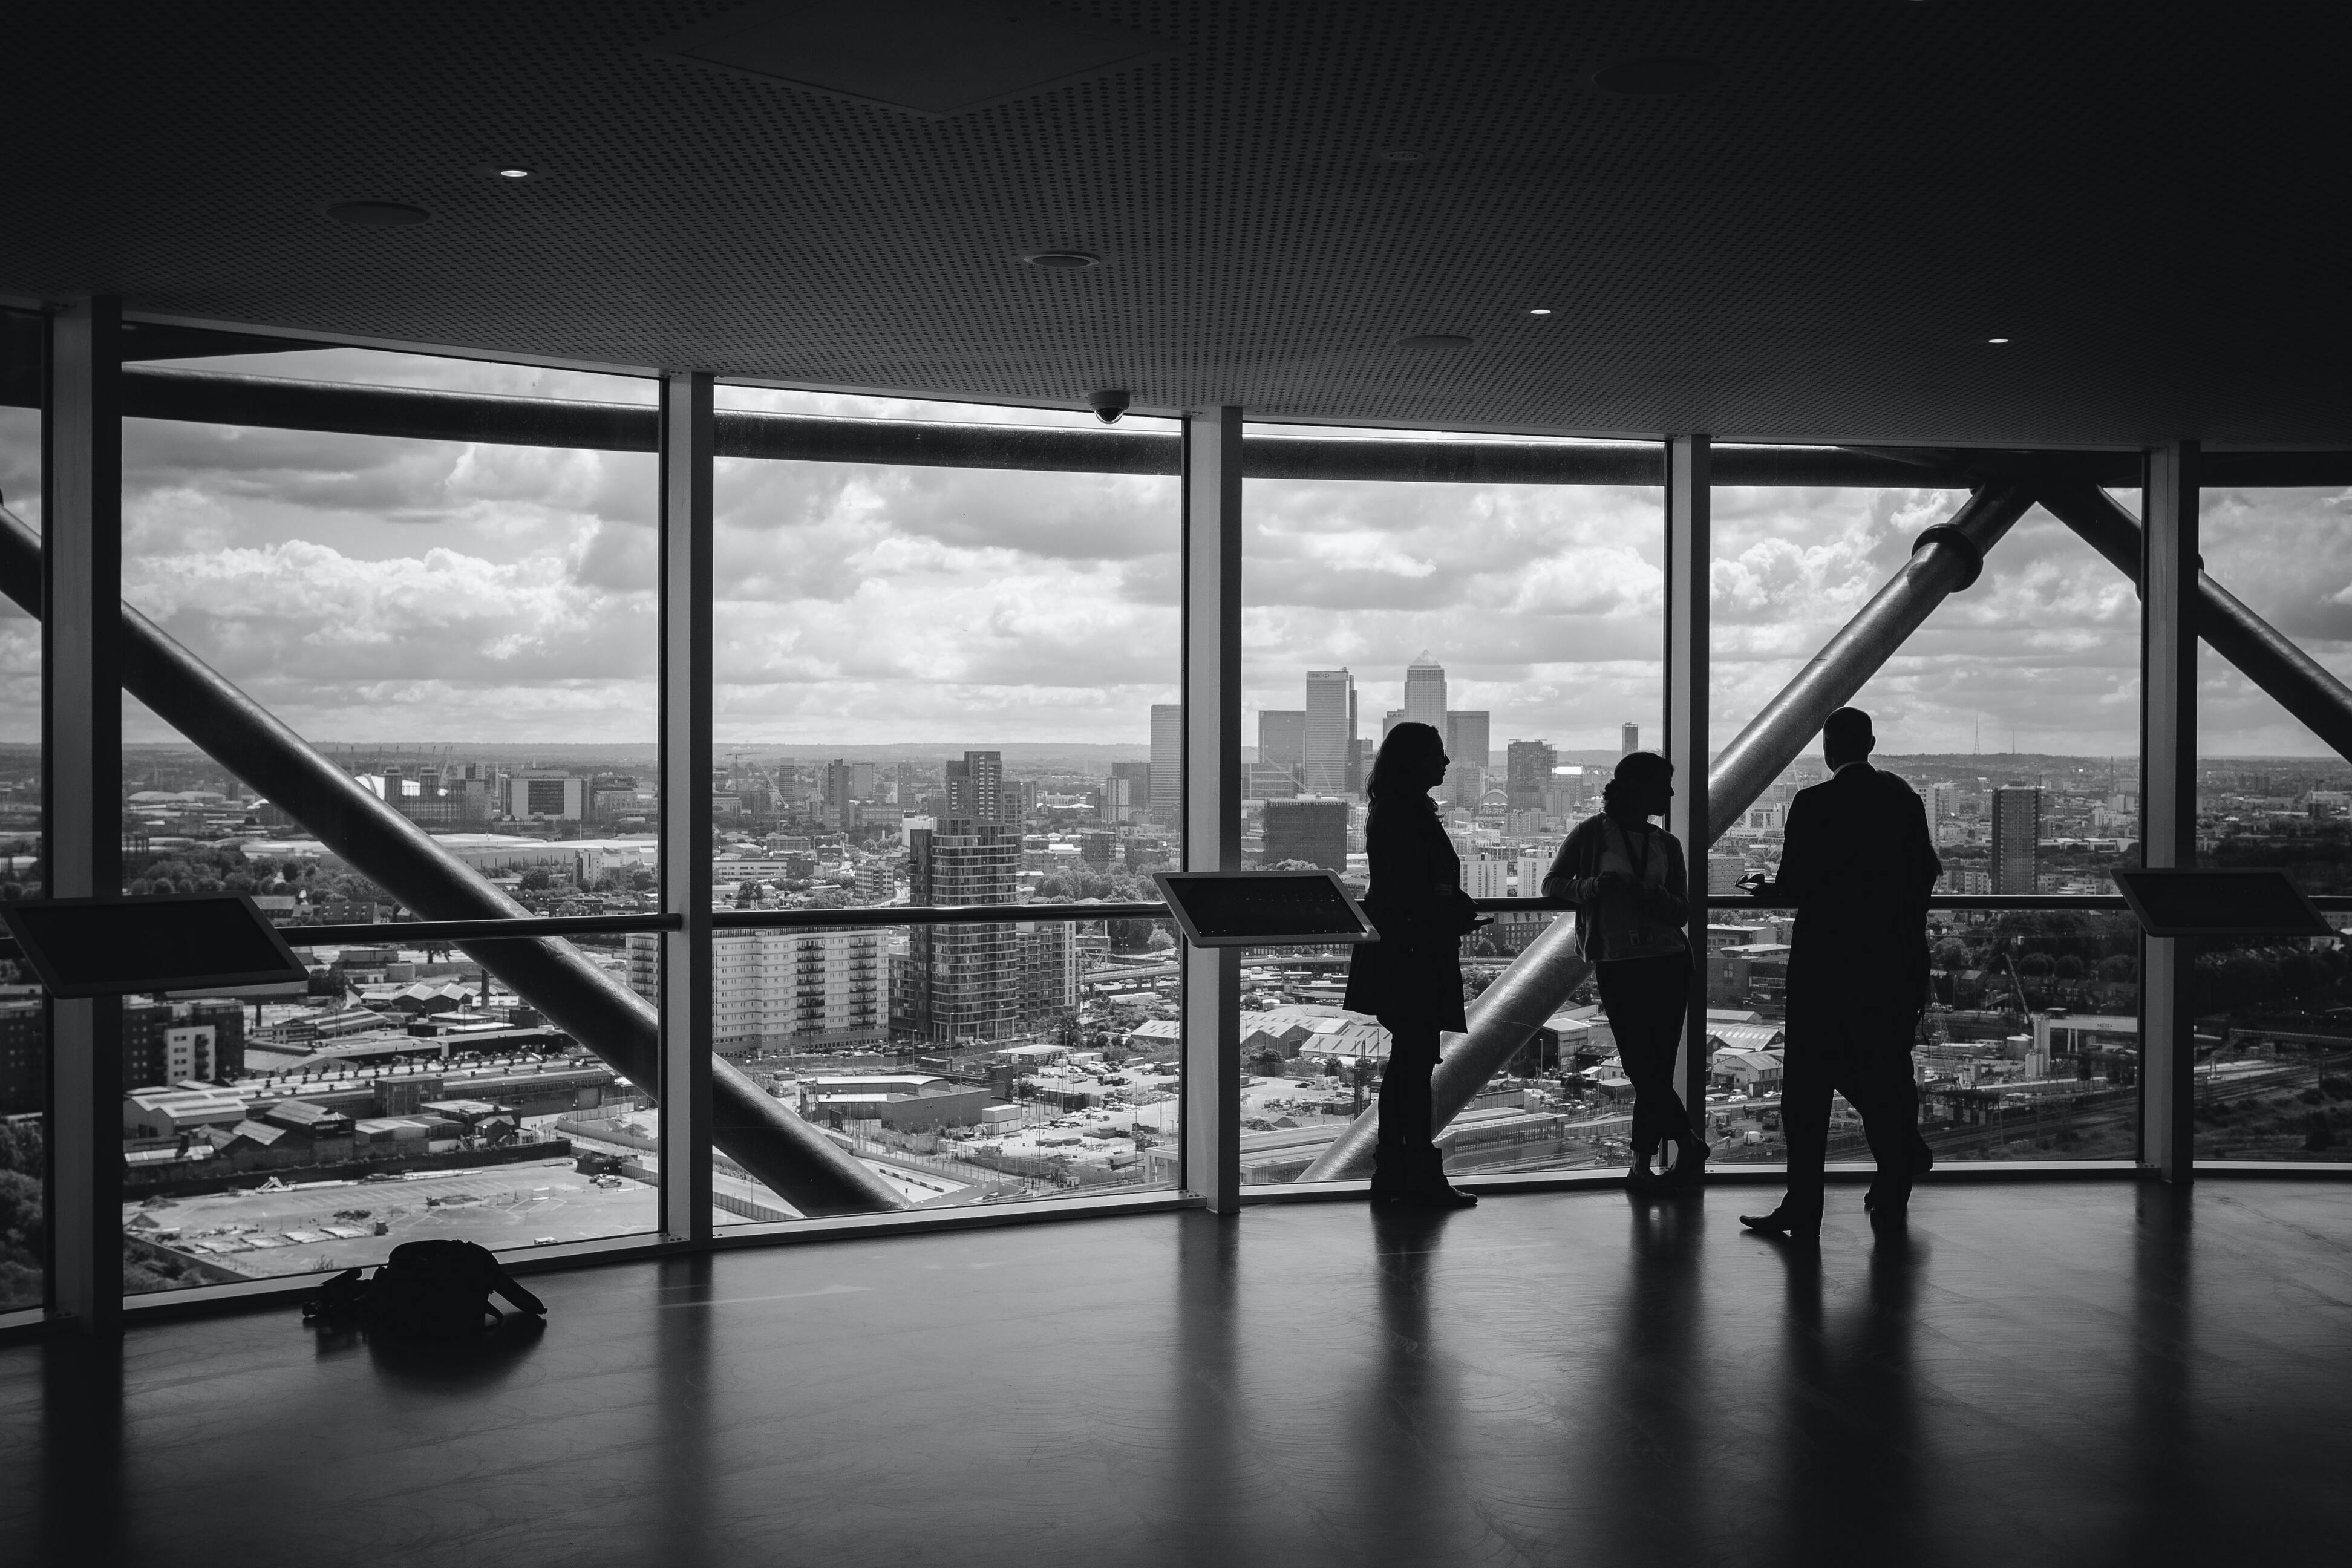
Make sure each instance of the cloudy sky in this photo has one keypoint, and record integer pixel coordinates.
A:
(381, 591)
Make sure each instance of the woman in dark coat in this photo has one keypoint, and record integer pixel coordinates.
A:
(1410, 980)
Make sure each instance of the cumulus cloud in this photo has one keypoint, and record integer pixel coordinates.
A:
(376, 589)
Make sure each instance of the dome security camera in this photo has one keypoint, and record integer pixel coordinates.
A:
(1107, 405)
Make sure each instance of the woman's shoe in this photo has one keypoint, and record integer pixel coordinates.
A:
(1639, 1178)
(1689, 1167)
(1429, 1188)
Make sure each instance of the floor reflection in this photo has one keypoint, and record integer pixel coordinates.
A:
(1850, 1441)
(1653, 1505)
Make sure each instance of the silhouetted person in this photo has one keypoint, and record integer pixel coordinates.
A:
(1859, 863)
(1410, 980)
(1632, 891)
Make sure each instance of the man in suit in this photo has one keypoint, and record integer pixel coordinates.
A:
(1859, 863)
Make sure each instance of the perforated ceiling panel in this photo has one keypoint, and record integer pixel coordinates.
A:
(1816, 246)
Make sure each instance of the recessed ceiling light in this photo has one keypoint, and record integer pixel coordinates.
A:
(1062, 260)
(1658, 77)
(514, 174)
(1434, 340)
(377, 215)
(1539, 311)
(1402, 155)
(1996, 340)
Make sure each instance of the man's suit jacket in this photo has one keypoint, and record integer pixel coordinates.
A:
(1859, 862)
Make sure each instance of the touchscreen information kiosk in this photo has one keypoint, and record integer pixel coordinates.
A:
(2220, 903)
(1262, 908)
(175, 941)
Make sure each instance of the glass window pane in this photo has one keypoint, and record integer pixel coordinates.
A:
(24, 1016)
(2013, 711)
(467, 629)
(1525, 622)
(2274, 1019)
(948, 686)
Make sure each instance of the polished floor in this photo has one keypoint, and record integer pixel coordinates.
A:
(2078, 1375)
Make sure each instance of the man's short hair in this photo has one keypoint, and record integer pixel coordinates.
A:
(1848, 731)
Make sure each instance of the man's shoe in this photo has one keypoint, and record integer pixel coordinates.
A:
(1780, 1225)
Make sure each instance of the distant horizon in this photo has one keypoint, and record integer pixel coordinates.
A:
(462, 751)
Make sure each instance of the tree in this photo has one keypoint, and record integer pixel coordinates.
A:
(2034, 964)
(2068, 966)
(537, 879)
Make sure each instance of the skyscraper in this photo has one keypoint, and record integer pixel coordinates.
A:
(975, 790)
(1282, 738)
(966, 980)
(1312, 830)
(1467, 735)
(1629, 740)
(1330, 732)
(1425, 693)
(1528, 766)
(2016, 839)
(1167, 763)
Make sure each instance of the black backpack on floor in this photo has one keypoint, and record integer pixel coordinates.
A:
(426, 1289)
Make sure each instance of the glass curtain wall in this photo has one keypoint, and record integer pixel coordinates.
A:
(466, 629)
(2274, 1019)
(24, 1014)
(943, 686)
(1527, 623)
(2014, 712)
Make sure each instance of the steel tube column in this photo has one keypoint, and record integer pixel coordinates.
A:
(2290, 676)
(1212, 977)
(2168, 798)
(76, 579)
(1947, 558)
(807, 1169)
(686, 974)
(1689, 574)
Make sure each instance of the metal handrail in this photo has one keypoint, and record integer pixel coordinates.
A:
(895, 915)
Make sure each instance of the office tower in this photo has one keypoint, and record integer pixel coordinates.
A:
(1330, 732)
(1128, 791)
(1424, 692)
(1629, 740)
(1261, 781)
(533, 795)
(1314, 830)
(1167, 763)
(1943, 801)
(965, 980)
(1465, 731)
(1527, 772)
(911, 787)
(2016, 839)
(1487, 879)
(1724, 871)
(839, 789)
(1390, 720)
(976, 792)
(1282, 738)
(1466, 784)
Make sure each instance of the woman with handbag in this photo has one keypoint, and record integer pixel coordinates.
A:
(1410, 979)
(1627, 880)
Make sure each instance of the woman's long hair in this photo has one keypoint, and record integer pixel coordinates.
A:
(1401, 756)
(1634, 771)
